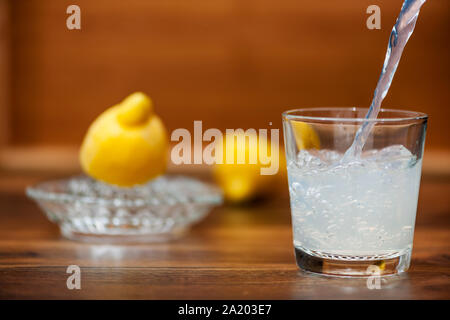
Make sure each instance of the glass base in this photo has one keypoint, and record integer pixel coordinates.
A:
(352, 267)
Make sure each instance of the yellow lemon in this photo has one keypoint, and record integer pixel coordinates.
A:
(305, 136)
(238, 166)
(127, 144)
(381, 264)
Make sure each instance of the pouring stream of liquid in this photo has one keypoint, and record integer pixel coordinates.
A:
(400, 34)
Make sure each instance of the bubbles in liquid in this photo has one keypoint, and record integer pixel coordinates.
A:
(361, 207)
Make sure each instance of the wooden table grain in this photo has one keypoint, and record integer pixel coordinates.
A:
(235, 253)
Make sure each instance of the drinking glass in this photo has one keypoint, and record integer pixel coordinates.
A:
(353, 216)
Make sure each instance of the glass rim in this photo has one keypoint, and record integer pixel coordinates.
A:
(409, 115)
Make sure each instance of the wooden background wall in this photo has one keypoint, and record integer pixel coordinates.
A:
(230, 63)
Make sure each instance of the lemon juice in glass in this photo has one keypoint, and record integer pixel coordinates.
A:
(349, 215)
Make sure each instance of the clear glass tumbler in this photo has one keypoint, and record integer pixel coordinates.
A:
(353, 215)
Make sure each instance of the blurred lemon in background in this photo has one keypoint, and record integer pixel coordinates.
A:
(244, 182)
(127, 144)
(241, 182)
(305, 136)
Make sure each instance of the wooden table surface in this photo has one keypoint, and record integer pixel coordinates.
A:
(235, 253)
